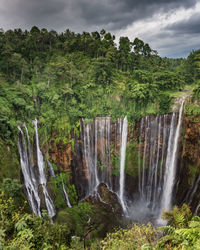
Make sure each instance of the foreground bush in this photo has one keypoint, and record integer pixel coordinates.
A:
(139, 236)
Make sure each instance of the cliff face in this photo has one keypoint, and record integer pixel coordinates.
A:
(188, 181)
(61, 154)
(191, 140)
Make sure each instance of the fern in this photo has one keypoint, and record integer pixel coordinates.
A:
(179, 219)
(20, 225)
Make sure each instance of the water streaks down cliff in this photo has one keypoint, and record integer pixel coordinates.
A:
(158, 148)
(42, 176)
(157, 155)
(102, 142)
(124, 134)
(100, 156)
(30, 183)
(33, 177)
(170, 171)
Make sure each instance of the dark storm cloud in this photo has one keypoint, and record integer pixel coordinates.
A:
(79, 14)
(187, 26)
(117, 14)
(121, 13)
(89, 15)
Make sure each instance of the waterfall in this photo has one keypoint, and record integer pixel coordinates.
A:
(30, 181)
(122, 163)
(150, 151)
(64, 192)
(139, 157)
(30, 186)
(144, 157)
(97, 147)
(66, 198)
(42, 176)
(51, 170)
(30, 158)
(164, 138)
(90, 155)
(157, 154)
(103, 130)
(197, 209)
(155, 195)
(194, 189)
(170, 171)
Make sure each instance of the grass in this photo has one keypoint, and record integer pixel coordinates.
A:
(186, 91)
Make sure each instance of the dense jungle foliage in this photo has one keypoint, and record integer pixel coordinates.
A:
(60, 78)
(21, 230)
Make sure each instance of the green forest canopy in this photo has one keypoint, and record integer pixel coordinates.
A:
(61, 77)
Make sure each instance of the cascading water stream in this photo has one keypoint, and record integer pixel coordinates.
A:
(193, 190)
(42, 176)
(139, 157)
(51, 170)
(170, 171)
(97, 147)
(144, 157)
(164, 138)
(90, 156)
(30, 158)
(66, 198)
(150, 151)
(30, 186)
(122, 163)
(157, 153)
(64, 192)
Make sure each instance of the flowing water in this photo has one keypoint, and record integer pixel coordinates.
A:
(34, 176)
(157, 156)
(98, 148)
(66, 198)
(122, 163)
(170, 173)
(42, 176)
(51, 170)
(103, 148)
(30, 186)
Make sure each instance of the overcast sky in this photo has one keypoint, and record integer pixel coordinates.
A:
(170, 27)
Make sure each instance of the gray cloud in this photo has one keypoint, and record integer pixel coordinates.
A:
(115, 14)
(174, 42)
(90, 15)
(188, 26)
(121, 13)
